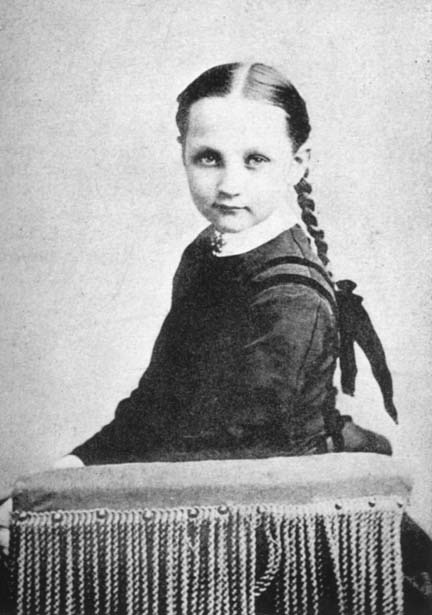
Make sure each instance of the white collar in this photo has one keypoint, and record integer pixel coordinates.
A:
(243, 241)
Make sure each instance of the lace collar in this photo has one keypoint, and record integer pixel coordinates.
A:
(230, 244)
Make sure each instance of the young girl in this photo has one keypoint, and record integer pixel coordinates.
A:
(244, 363)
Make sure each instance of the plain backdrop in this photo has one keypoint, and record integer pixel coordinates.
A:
(95, 210)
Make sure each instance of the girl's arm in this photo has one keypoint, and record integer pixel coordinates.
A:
(293, 337)
(131, 429)
(286, 382)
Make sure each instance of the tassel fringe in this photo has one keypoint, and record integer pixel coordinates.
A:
(344, 557)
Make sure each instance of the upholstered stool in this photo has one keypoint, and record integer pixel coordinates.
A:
(211, 537)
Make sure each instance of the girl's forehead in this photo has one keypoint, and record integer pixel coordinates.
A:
(236, 118)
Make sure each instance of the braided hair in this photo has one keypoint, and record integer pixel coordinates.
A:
(307, 206)
(261, 82)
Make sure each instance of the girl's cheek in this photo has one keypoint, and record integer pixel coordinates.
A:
(194, 179)
(202, 190)
(206, 180)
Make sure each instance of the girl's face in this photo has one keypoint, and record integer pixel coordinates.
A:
(239, 161)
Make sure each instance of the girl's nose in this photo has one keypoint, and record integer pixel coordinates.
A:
(230, 182)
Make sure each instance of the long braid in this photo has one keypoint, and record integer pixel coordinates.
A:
(307, 206)
(332, 419)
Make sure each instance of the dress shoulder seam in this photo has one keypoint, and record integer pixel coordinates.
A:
(282, 279)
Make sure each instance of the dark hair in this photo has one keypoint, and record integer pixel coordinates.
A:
(262, 83)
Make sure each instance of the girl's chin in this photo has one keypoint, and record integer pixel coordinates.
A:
(232, 224)
(231, 228)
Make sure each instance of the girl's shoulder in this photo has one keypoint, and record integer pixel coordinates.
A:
(199, 246)
(191, 262)
(289, 264)
(292, 242)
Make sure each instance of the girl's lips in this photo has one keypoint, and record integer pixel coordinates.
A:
(227, 208)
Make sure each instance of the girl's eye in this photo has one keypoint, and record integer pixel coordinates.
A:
(208, 159)
(256, 160)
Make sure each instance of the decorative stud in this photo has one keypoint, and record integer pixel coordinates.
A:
(217, 241)
(101, 513)
(372, 503)
(23, 515)
(223, 509)
(193, 513)
(147, 514)
(57, 517)
(338, 506)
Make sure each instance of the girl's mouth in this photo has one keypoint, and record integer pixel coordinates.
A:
(227, 208)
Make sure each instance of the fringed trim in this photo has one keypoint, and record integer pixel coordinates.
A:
(211, 560)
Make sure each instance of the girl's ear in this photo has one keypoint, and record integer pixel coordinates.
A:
(300, 164)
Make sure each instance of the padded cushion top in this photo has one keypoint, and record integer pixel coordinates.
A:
(277, 480)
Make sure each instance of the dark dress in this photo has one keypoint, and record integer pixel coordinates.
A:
(243, 365)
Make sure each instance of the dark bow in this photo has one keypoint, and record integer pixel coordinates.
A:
(355, 325)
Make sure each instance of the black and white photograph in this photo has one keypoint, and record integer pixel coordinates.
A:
(216, 339)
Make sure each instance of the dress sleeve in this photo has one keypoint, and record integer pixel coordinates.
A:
(290, 356)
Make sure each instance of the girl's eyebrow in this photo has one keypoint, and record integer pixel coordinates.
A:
(204, 148)
(201, 147)
(263, 151)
